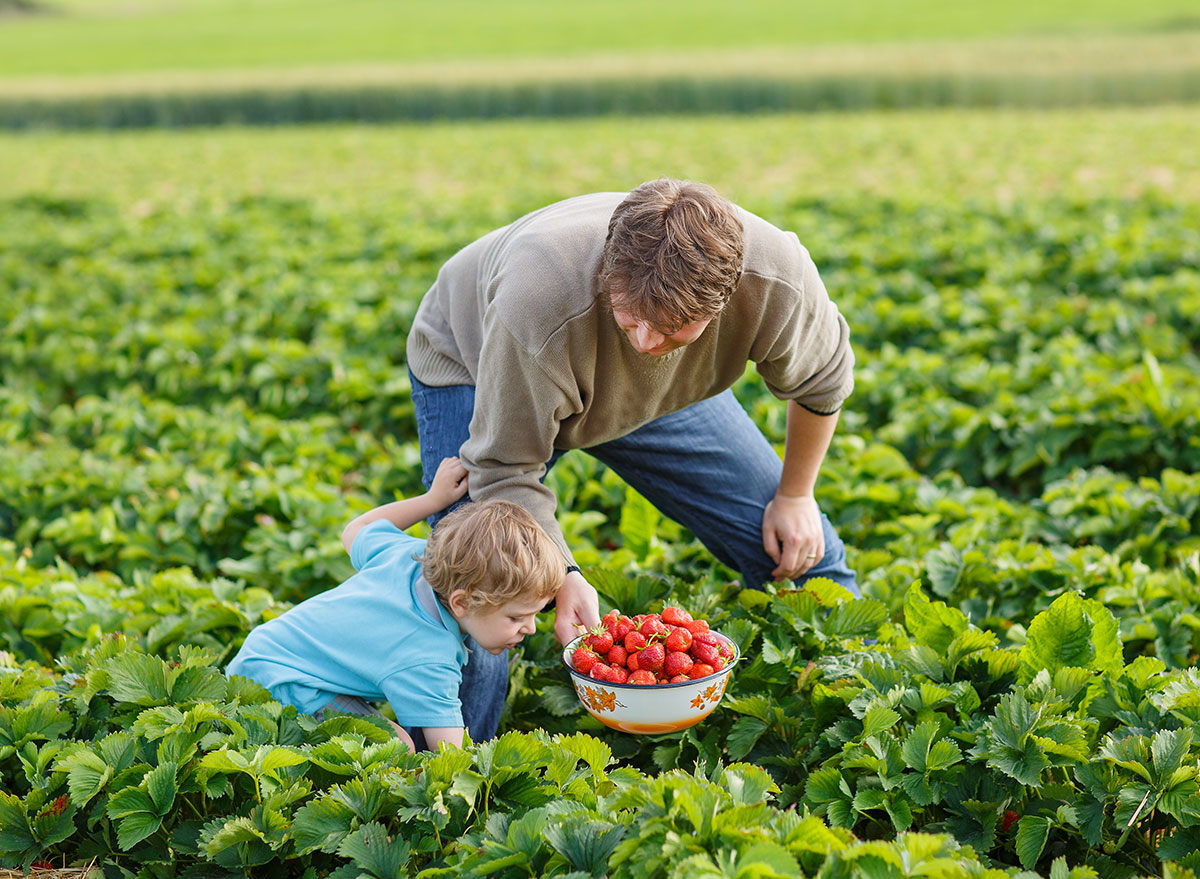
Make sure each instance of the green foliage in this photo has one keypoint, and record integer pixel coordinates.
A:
(1015, 478)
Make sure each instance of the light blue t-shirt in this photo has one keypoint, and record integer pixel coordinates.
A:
(370, 637)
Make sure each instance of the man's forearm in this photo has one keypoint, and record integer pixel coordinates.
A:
(808, 438)
(523, 487)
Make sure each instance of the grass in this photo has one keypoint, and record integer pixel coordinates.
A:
(89, 37)
(466, 170)
(1053, 56)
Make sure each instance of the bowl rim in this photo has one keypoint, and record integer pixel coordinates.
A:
(569, 648)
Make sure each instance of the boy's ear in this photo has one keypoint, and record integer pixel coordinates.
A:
(458, 602)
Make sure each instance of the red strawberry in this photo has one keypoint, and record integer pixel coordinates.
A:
(641, 676)
(725, 649)
(652, 657)
(617, 655)
(706, 638)
(583, 659)
(599, 640)
(631, 662)
(609, 619)
(617, 675)
(600, 671)
(680, 639)
(701, 670)
(677, 663)
(696, 626)
(675, 616)
(623, 627)
(1010, 818)
(635, 641)
(679, 679)
(707, 653)
(719, 663)
(654, 626)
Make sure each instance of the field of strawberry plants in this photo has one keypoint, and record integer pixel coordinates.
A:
(202, 380)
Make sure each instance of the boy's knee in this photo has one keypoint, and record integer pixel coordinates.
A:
(402, 735)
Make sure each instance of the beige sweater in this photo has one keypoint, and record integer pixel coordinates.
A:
(516, 315)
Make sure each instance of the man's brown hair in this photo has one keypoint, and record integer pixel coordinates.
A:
(496, 552)
(673, 255)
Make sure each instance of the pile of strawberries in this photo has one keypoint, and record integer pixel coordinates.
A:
(651, 648)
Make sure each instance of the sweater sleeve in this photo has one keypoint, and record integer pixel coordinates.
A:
(518, 408)
(810, 361)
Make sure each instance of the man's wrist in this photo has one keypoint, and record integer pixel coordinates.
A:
(799, 496)
(553, 603)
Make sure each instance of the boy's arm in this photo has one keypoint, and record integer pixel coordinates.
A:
(435, 735)
(449, 484)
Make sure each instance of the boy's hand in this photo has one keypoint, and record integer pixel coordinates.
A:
(449, 483)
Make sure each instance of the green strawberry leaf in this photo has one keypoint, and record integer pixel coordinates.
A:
(743, 735)
(322, 824)
(1168, 749)
(747, 784)
(135, 827)
(879, 718)
(585, 842)
(87, 774)
(1032, 833)
(931, 623)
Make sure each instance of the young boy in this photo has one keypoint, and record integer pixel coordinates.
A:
(395, 629)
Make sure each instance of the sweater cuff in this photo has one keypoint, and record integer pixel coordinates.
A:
(834, 411)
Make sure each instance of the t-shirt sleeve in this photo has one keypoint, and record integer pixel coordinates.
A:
(425, 695)
(375, 539)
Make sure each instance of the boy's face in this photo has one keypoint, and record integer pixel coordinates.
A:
(497, 629)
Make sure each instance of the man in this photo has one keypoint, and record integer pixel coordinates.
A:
(616, 323)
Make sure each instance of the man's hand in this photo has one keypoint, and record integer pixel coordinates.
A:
(792, 535)
(449, 483)
(575, 605)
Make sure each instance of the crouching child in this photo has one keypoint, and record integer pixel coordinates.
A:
(395, 630)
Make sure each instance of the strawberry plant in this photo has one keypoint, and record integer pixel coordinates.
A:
(1015, 478)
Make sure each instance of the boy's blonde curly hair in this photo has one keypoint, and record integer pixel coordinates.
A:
(496, 552)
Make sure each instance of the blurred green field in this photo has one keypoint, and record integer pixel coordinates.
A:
(484, 173)
(104, 36)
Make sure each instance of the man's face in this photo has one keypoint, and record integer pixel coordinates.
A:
(645, 339)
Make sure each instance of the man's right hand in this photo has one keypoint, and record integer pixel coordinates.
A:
(576, 604)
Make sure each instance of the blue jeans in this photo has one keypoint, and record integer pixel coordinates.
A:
(708, 467)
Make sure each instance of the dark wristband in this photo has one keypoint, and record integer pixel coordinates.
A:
(573, 569)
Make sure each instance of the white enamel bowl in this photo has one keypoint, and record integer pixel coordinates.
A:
(650, 708)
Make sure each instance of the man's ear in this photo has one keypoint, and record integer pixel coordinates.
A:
(458, 603)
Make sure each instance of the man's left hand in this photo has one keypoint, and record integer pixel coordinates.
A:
(792, 535)
(576, 604)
